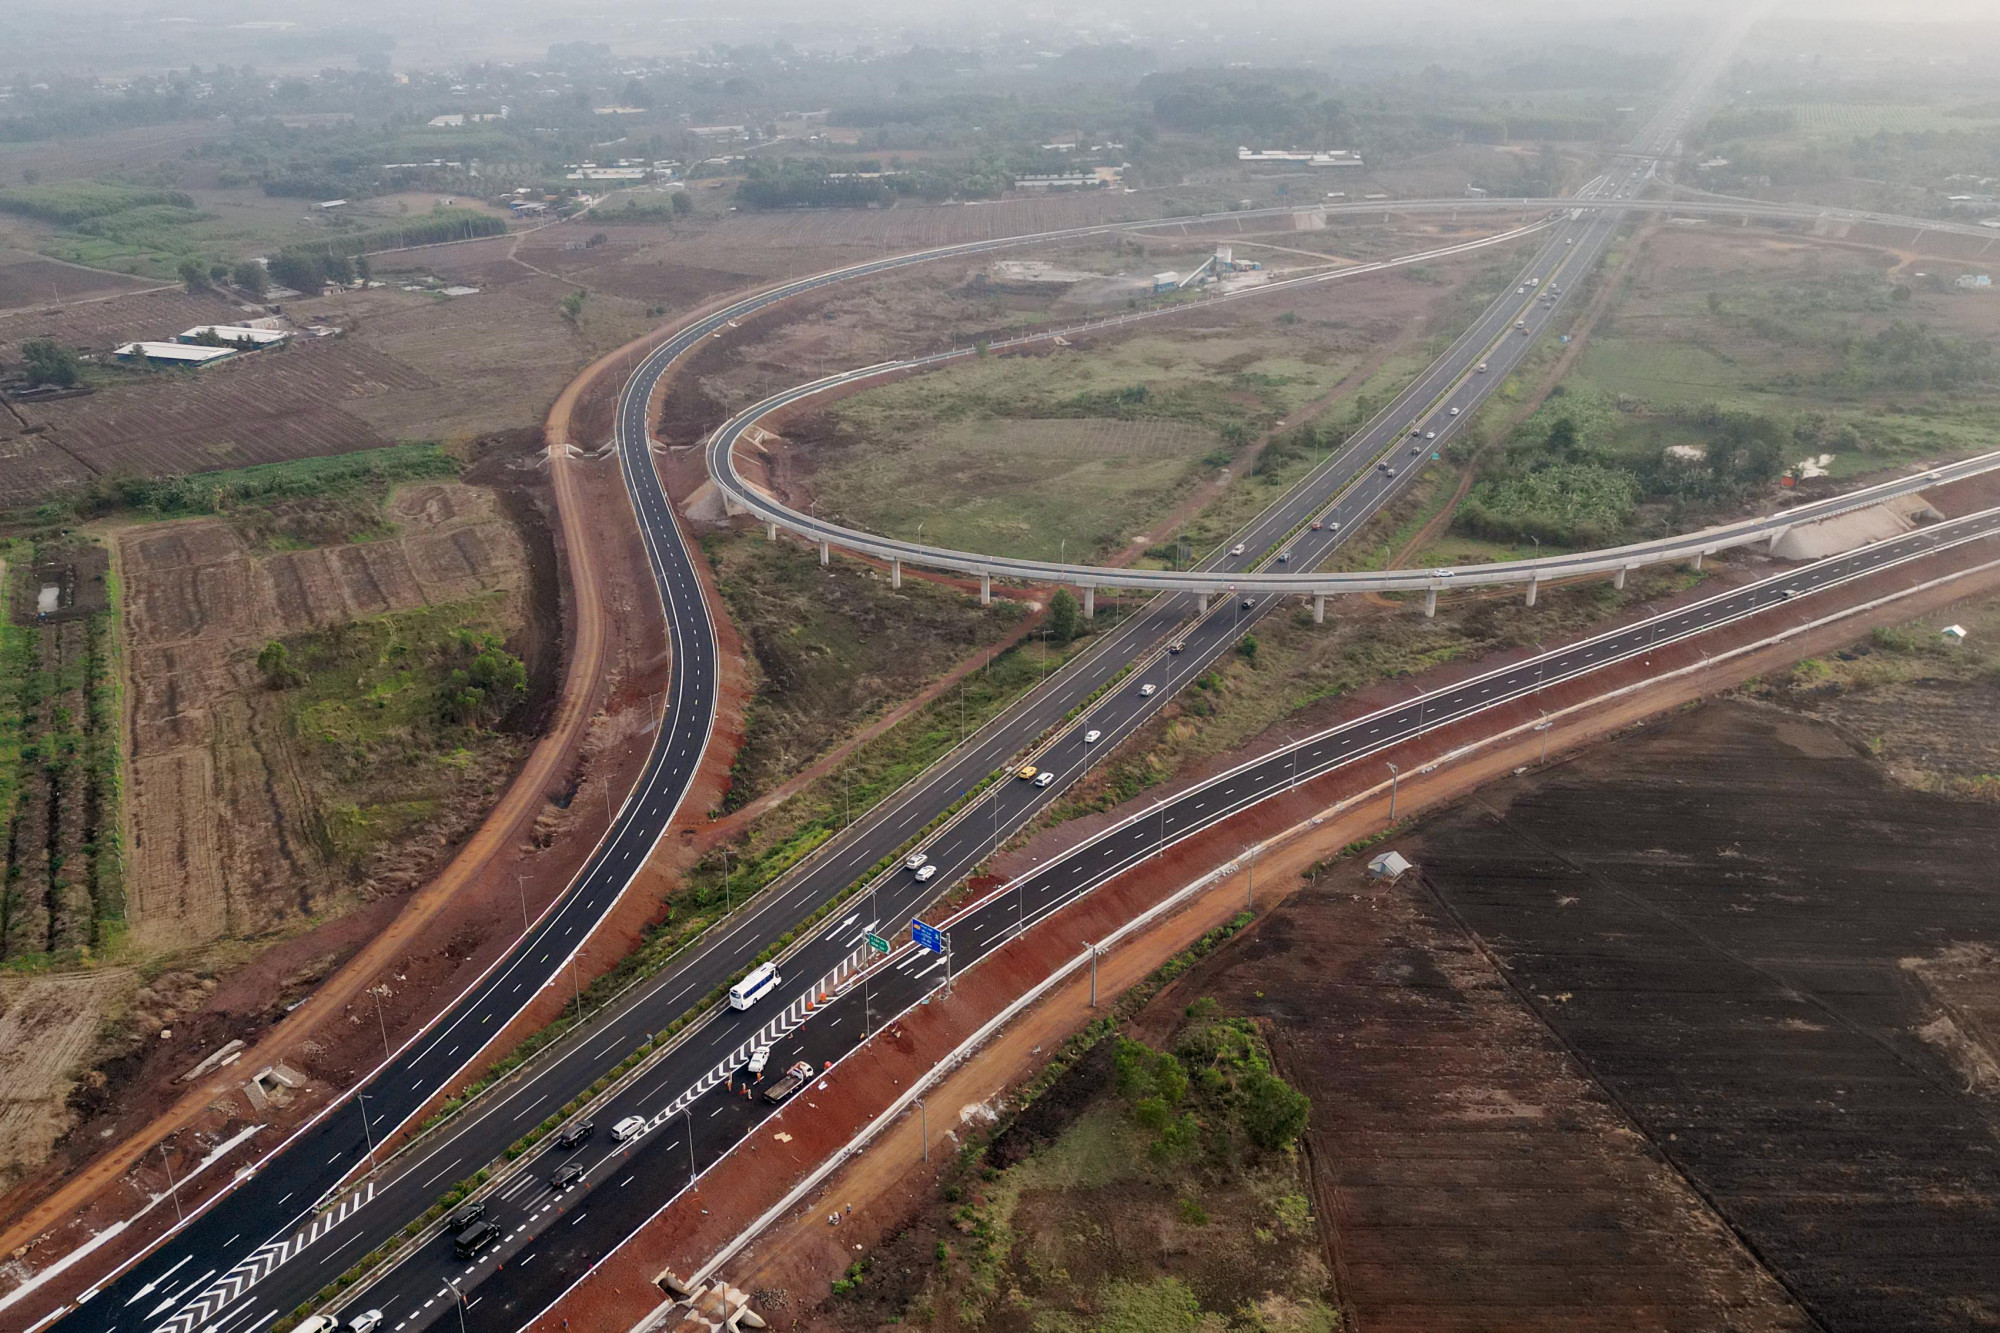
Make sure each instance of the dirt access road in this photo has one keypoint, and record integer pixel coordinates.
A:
(477, 890)
(1351, 802)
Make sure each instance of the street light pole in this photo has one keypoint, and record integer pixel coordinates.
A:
(1543, 727)
(522, 891)
(1093, 972)
(458, 1299)
(1395, 776)
(367, 1132)
(575, 984)
(924, 1127)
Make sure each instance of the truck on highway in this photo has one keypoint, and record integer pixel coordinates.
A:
(795, 1078)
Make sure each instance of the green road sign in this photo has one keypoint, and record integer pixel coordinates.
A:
(877, 943)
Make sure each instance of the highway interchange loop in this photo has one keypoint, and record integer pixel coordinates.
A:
(237, 1268)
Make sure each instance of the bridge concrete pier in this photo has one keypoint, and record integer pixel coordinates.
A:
(770, 532)
(985, 588)
(1777, 537)
(895, 571)
(1534, 588)
(1319, 608)
(1089, 601)
(1430, 601)
(1697, 559)
(1201, 603)
(1618, 579)
(825, 554)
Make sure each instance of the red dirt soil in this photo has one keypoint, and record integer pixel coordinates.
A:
(426, 948)
(759, 1172)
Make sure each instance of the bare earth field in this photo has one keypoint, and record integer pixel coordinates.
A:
(223, 814)
(1732, 923)
(28, 280)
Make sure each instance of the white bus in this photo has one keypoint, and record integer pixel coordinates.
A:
(754, 987)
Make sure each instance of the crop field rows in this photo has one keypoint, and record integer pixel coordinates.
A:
(264, 409)
(102, 325)
(62, 881)
(1860, 119)
(234, 829)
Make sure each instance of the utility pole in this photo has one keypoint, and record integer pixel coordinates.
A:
(575, 984)
(924, 1122)
(367, 1131)
(521, 890)
(1250, 892)
(376, 991)
(1543, 727)
(1395, 776)
(725, 879)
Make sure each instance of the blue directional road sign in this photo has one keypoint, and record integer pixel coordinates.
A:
(927, 936)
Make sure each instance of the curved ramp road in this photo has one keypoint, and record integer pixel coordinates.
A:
(240, 1266)
(553, 1233)
(265, 1250)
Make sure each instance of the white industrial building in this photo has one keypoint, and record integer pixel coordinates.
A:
(180, 354)
(242, 335)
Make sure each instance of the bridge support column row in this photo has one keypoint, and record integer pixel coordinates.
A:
(895, 571)
(1430, 601)
(985, 588)
(825, 553)
(1534, 588)
(1319, 608)
(1089, 602)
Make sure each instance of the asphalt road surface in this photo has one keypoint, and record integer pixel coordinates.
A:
(238, 1267)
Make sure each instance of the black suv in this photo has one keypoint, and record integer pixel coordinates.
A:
(465, 1216)
(574, 1134)
(569, 1173)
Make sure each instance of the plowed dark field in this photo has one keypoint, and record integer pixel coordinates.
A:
(1695, 1031)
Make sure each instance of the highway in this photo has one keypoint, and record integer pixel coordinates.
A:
(551, 1235)
(555, 1233)
(262, 1254)
(240, 1266)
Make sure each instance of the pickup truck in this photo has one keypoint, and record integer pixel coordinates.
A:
(795, 1078)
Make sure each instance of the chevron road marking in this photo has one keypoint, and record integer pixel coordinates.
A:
(265, 1261)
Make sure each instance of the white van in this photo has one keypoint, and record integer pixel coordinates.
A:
(317, 1323)
(754, 987)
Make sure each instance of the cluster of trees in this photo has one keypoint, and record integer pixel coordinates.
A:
(71, 203)
(1218, 1082)
(1909, 357)
(816, 183)
(312, 273)
(1264, 107)
(50, 363)
(488, 681)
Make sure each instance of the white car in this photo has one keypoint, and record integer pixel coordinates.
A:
(1454, 411)
(1147, 691)
(1090, 737)
(1044, 778)
(924, 875)
(1284, 557)
(913, 860)
(631, 1127)
(365, 1322)
(1430, 435)
(1479, 369)
(1236, 549)
(1440, 573)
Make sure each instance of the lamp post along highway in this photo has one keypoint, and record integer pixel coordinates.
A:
(1395, 776)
